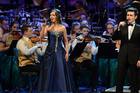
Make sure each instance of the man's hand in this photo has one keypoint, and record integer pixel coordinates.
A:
(39, 45)
(122, 23)
(138, 63)
(88, 48)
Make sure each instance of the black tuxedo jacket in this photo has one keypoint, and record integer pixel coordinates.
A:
(129, 49)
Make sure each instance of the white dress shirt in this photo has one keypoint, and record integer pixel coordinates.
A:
(130, 30)
(29, 51)
(94, 48)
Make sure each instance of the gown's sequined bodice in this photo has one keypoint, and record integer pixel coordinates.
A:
(55, 40)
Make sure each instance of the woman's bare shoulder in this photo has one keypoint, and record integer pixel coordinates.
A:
(63, 27)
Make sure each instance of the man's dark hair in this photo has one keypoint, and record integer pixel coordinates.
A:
(132, 9)
(14, 22)
(25, 28)
(84, 26)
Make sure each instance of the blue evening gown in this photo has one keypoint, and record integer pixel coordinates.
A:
(56, 75)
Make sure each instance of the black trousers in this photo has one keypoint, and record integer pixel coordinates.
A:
(30, 68)
(29, 73)
(134, 77)
(87, 67)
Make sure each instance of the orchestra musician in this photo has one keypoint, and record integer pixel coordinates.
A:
(79, 9)
(107, 56)
(107, 35)
(109, 29)
(28, 51)
(14, 34)
(85, 59)
(3, 26)
(9, 60)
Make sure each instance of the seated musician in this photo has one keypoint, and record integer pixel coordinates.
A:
(27, 51)
(85, 60)
(84, 32)
(110, 28)
(28, 55)
(14, 34)
(3, 30)
(107, 56)
(3, 47)
(78, 11)
(9, 67)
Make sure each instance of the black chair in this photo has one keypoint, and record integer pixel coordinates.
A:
(29, 76)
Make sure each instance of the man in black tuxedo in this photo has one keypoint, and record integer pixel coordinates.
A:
(129, 55)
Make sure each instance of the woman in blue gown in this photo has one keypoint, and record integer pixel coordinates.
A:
(56, 76)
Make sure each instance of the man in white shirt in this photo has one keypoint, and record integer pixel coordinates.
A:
(80, 38)
(85, 59)
(27, 51)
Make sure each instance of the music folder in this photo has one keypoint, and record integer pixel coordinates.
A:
(107, 50)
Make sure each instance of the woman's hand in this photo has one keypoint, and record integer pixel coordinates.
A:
(66, 56)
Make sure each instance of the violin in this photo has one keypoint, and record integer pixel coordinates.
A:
(89, 38)
(16, 35)
(36, 32)
(37, 39)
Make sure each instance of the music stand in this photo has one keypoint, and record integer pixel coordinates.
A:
(107, 50)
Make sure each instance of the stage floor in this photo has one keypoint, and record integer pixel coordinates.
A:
(113, 89)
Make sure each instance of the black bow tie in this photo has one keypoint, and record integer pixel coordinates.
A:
(129, 24)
